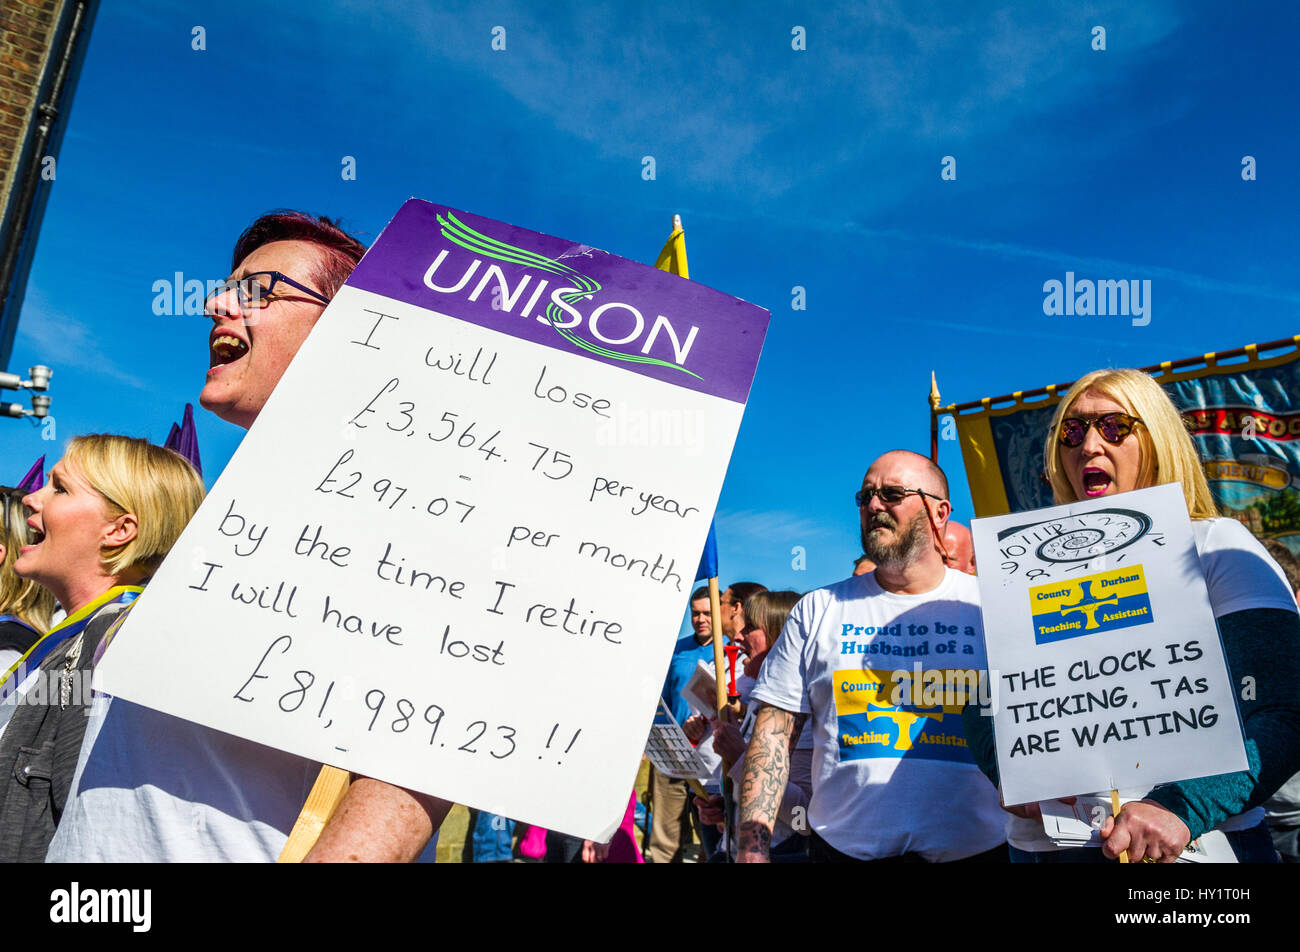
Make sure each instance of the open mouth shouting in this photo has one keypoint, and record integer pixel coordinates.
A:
(1096, 482)
(225, 348)
(35, 535)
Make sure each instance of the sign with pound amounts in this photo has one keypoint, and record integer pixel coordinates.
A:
(453, 550)
(1105, 663)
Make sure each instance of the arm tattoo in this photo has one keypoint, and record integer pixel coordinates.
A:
(767, 769)
(754, 838)
(797, 732)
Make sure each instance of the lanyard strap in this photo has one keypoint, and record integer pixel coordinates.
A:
(70, 626)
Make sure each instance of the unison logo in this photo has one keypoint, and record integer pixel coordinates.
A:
(1086, 297)
(561, 312)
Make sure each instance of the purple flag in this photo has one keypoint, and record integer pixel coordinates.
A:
(184, 439)
(35, 477)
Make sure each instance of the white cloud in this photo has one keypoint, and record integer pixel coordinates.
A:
(705, 90)
(765, 526)
(1089, 266)
(61, 341)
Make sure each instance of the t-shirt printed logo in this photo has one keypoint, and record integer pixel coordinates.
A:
(884, 713)
(1091, 604)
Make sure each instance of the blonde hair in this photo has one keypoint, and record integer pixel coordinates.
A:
(1168, 454)
(159, 487)
(769, 610)
(20, 597)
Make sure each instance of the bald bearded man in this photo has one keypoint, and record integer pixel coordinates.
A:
(893, 779)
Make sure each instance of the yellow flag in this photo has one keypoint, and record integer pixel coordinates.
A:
(673, 258)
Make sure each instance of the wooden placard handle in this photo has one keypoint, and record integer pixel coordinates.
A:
(326, 795)
(1114, 809)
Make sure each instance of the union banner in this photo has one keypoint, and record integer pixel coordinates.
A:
(1242, 408)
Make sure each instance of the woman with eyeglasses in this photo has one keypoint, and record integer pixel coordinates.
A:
(1115, 431)
(25, 607)
(765, 617)
(100, 526)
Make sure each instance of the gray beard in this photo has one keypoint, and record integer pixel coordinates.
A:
(910, 546)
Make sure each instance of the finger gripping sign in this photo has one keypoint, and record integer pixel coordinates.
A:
(470, 511)
(1105, 661)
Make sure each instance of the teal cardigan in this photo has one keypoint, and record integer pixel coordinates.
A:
(1259, 643)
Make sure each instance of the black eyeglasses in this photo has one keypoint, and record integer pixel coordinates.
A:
(1113, 427)
(253, 293)
(890, 495)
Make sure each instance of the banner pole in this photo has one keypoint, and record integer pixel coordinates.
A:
(1251, 351)
(934, 419)
(718, 666)
(720, 698)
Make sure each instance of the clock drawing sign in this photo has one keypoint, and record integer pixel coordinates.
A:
(1106, 670)
(1071, 604)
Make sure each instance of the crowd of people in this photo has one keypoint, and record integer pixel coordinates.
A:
(875, 796)
(801, 771)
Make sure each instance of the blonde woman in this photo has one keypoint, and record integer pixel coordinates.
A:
(1115, 431)
(101, 525)
(25, 607)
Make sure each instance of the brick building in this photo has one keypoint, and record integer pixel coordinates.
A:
(42, 46)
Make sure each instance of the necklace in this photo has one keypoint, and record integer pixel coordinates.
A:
(69, 664)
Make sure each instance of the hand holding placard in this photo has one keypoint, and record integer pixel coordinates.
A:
(1102, 648)
(467, 541)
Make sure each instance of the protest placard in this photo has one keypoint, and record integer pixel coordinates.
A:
(452, 553)
(1104, 657)
(670, 751)
(701, 691)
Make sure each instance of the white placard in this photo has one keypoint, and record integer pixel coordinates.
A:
(1108, 666)
(701, 691)
(670, 751)
(452, 553)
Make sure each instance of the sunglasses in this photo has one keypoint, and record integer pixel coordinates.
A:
(1113, 427)
(888, 494)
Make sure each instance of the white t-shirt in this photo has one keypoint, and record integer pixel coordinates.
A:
(799, 783)
(152, 788)
(892, 773)
(797, 788)
(1239, 574)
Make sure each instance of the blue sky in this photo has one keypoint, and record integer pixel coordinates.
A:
(817, 168)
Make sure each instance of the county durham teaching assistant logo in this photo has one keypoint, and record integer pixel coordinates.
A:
(1091, 604)
(898, 713)
(561, 312)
